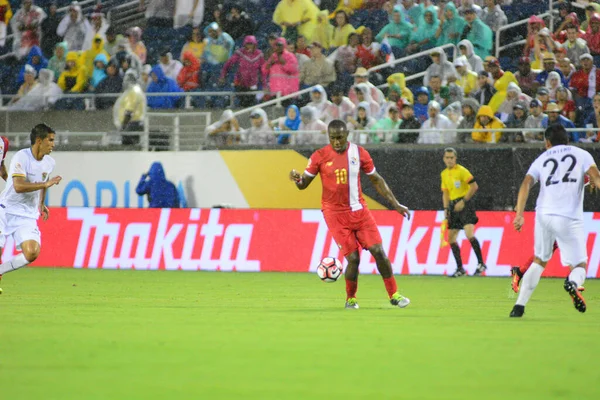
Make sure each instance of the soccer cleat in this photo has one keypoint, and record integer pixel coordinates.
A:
(458, 272)
(399, 300)
(517, 311)
(480, 269)
(352, 303)
(516, 278)
(575, 293)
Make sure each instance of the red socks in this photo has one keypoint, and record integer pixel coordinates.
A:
(390, 285)
(524, 267)
(351, 288)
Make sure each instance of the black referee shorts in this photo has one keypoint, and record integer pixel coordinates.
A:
(457, 220)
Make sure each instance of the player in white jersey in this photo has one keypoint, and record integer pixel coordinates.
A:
(561, 170)
(22, 200)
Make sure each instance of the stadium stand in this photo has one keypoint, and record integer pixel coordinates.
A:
(399, 69)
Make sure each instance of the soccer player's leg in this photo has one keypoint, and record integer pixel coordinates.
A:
(28, 239)
(3, 234)
(339, 226)
(469, 219)
(351, 278)
(518, 271)
(544, 238)
(2, 240)
(452, 235)
(572, 241)
(369, 238)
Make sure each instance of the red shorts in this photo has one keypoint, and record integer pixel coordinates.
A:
(353, 230)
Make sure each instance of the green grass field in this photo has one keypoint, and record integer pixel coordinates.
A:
(85, 334)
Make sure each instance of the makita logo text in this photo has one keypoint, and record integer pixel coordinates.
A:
(186, 245)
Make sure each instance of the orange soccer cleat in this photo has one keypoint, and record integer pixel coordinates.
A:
(516, 278)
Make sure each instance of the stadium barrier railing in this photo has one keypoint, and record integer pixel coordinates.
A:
(176, 135)
(420, 54)
(89, 98)
(362, 136)
(180, 132)
(125, 14)
(407, 79)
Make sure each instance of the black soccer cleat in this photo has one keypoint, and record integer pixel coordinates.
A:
(458, 273)
(517, 311)
(480, 269)
(575, 293)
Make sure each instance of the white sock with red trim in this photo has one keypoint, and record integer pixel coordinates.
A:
(577, 275)
(529, 283)
(18, 262)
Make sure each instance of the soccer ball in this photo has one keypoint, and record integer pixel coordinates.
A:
(329, 269)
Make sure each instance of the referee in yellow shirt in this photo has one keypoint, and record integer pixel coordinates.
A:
(458, 189)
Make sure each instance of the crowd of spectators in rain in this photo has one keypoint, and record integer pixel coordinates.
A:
(316, 46)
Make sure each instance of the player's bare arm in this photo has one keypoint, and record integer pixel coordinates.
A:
(473, 187)
(519, 220)
(446, 202)
(44, 211)
(383, 189)
(594, 175)
(302, 181)
(3, 172)
(22, 186)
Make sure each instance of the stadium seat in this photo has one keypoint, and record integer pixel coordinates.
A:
(506, 63)
(377, 20)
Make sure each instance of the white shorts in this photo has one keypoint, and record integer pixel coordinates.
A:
(21, 229)
(568, 234)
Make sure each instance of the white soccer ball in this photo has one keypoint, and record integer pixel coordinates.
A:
(329, 269)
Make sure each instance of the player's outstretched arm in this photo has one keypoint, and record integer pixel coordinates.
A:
(301, 181)
(519, 220)
(22, 186)
(383, 189)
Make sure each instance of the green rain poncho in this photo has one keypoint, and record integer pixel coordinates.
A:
(482, 38)
(452, 28)
(402, 28)
(425, 30)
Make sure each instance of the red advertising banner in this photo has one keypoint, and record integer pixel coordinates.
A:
(275, 240)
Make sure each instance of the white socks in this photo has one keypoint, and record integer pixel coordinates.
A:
(18, 262)
(529, 283)
(577, 275)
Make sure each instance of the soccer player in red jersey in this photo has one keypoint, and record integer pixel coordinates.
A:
(344, 209)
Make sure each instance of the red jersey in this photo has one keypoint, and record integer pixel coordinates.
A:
(340, 176)
(593, 41)
(580, 81)
(3, 147)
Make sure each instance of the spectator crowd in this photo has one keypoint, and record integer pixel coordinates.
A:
(326, 46)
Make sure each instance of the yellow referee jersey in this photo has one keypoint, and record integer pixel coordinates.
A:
(456, 181)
